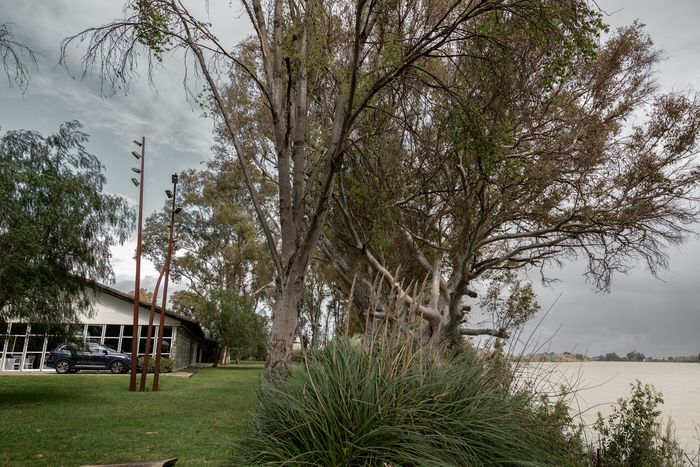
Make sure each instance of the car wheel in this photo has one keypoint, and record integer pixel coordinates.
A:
(116, 367)
(63, 367)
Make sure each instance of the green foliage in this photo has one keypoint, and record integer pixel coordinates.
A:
(350, 405)
(632, 435)
(186, 303)
(612, 357)
(152, 29)
(231, 321)
(166, 365)
(509, 302)
(218, 243)
(297, 356)
(56, 225)
(580, 30)
(564, 434)
(635, 356)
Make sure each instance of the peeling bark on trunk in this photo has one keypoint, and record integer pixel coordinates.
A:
(279, 349)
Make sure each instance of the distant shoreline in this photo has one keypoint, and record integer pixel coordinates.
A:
(572, 358)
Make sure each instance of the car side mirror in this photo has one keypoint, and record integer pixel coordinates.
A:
(105, 352)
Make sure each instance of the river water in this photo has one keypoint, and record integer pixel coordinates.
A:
(601, 384)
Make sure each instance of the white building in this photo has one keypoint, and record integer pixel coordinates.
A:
(24, 347)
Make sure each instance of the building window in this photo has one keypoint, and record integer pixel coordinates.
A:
(14, 351)
(54, 341)
(167, 341)
(111, 338)
(79, 330)
(143, 333)
(35, 351)
(94, 333)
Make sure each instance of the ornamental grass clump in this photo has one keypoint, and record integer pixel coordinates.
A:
(389, 405)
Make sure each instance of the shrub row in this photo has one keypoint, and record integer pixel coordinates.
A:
(166, 365)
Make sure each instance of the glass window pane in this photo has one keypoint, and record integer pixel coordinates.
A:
(61, 329)
(165, 347)
(94, 331)
(167, 331)
(112, 330)
(39, 328)
(79, 331)
(15, 344)
(11, 362)
(142, 346)
(32, 361)
(55, 341)
(112, 343)
(126, 345)
(35, 344)
(144, 330)
(18, 329)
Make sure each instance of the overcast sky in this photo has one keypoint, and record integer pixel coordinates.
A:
(656, 317)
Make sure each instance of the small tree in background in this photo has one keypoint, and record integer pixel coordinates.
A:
(633, 435)
(218, 244)
(509, 302)
(232, 323)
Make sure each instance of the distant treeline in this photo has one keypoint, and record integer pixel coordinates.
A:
(632, 356)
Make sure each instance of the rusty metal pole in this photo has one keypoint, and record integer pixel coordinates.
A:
(159, 345)
(137, 281)
(149, 333)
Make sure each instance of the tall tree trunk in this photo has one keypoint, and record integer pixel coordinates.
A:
(284, 324)
(223, 356)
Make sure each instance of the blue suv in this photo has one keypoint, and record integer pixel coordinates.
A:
(69, 358)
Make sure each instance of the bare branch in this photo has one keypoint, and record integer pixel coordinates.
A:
(13, 56)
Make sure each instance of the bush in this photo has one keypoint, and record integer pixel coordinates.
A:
(348, 405)
(633, 436)
(565, 435)
(166, 365)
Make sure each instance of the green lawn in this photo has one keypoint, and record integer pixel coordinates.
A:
(81, 419)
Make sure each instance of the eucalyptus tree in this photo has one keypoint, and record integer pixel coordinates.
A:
(218, 245)
(312, 69)
(56, 225)
(233, 323)
(220, 254)
(545, 152)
